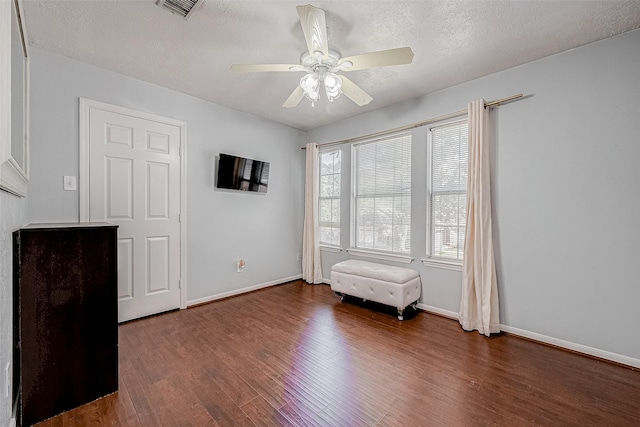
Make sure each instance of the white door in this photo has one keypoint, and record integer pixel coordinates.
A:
(134, 181)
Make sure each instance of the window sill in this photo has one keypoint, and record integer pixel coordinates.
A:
(327, 248)
(439, 263)
(404, 259)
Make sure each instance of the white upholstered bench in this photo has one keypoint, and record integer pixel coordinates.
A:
(386, 284)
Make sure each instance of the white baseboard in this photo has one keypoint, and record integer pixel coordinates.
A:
(568, 345)
(602, 354)
(242, 290)
(444, 313)
(579, 348)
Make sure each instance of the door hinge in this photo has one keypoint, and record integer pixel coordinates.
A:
(180, 218)
(179, 284)
(180, 150)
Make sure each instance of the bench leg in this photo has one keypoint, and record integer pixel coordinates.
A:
(400, 311)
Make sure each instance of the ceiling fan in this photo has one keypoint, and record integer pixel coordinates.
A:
(322, 64)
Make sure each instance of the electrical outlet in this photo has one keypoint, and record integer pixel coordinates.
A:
(240, 266)
(299, 256)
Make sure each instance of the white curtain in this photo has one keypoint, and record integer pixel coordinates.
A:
(311, 268)
(479, 308)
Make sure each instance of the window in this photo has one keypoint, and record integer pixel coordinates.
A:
(447, 198)
(329, 200)
(382, 209)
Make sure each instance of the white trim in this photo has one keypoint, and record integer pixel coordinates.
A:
(5, 81)
(403, 259)
(602, 354)
(447, 265)
(327, 248)
(235, 292)
(85, 157)
(13, 180)
(14, 177)
(327, 281)
(183, 216)
(445, 313)
(567, 345)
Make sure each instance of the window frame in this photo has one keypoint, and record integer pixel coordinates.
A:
(330, 245)
(431, 259)
(354, 249)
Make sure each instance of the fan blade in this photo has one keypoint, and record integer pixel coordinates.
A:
(354, 93)
(295, 98)
(258, 68)
(383, 58)
(314, 27)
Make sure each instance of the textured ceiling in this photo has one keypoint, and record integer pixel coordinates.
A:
(453, 41)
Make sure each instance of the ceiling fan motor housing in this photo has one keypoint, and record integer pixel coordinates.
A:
(313, 62)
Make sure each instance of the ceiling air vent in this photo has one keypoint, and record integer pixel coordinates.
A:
(184, 8)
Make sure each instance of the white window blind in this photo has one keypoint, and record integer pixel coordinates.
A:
(329, 197)
(382, 214)
(447, 197)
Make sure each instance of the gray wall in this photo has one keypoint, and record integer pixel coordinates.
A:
(565, 197)
(565, 173)
(13, 215)
(222, 227)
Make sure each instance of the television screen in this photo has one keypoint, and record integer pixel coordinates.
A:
(238, 173)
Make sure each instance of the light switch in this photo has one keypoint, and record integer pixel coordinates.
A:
(70, 183)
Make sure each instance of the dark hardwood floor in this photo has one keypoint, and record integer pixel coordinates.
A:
(294, 355)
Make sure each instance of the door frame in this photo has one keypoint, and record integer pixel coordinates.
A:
(86, 105)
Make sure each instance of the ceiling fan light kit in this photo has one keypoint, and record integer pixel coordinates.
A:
(310, 85)
(320, 69)
(321, 65)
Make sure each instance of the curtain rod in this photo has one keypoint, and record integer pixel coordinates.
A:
(419, 124)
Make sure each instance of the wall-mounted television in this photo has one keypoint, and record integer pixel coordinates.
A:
(238, 173)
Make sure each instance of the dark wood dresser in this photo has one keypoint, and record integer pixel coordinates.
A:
(65, 317)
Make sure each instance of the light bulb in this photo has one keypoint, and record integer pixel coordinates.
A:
(330, 80)
(332, 86)
(309, 83)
